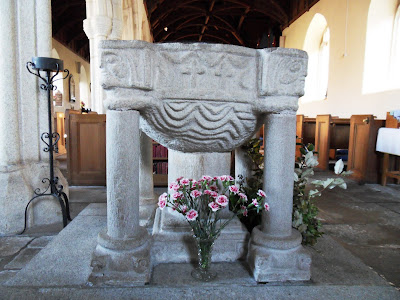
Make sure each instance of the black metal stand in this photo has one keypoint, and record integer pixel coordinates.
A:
(48, 65)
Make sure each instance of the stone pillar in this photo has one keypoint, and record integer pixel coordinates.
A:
(25, 32)
(148, 200)
(123, 250)
(275, 251)
(104, 21)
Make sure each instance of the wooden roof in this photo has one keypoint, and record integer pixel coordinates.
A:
(250, 23)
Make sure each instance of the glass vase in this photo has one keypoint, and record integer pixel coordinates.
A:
(204, 250)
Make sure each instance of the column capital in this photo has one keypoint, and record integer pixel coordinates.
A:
(98, 26)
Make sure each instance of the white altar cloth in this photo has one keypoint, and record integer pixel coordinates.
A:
(388, 141)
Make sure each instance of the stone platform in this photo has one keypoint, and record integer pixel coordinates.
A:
(62, 269)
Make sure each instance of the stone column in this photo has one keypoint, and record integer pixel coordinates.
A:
(275, 251)
(25, 32)
(148, 200)
(104, 21)
(123, 250)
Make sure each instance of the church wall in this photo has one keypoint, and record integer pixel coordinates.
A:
(70, 59)
(345, 88)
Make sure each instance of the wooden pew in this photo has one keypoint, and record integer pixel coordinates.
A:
(363, 159)
(331, 133)
(305, 131)
(86, 148)
(59, 127)
(391, 163)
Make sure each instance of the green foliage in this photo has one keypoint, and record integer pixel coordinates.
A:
(305, 212)
(254, 183)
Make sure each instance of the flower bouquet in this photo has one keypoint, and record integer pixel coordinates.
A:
(201, 202)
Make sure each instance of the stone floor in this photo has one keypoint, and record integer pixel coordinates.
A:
(362, 227)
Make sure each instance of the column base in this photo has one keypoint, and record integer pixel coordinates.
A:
(122, 262)
(147, 210)
(273, 258)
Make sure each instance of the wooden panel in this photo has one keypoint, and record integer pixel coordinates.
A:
(160, 179)
(322, 140)
(390, 163)
(299, 133)
(340, 134)
(69, 112)
(60, 128)
(363, 159)
(309, 131)
(391, 122)
(87, 150)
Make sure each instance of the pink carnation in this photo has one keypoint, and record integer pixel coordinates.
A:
(174, 186)
(223, 178)
(266, 206)
(195, 193)
(245, 212)
(243, 196)
(177, 195)
(222, 200)
(183, 208)
(185, 181)
(261, 193)
(192, 215)
(255, 202)
(208, 192)
(213, 188)
(234, 189)
(177, 180)
(162, 201)
(206, 177)
(214, 206)
(230, 178)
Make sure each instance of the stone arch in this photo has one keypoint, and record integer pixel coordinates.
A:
(317, 44)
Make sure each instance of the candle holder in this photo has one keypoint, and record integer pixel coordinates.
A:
(48, 65)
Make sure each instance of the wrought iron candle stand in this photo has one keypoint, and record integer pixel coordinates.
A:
(48, 65)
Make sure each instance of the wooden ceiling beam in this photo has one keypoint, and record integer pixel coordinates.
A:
(170, 23)
(80, 36)
(242, 18)
(167, 8)
(205, 35)
(60, 7)
(234, 32)
(207, 19)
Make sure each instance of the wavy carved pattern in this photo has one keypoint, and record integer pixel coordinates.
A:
(195, 125)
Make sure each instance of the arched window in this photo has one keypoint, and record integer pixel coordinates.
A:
(395, 54)
(382, 61)
(317, 46)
